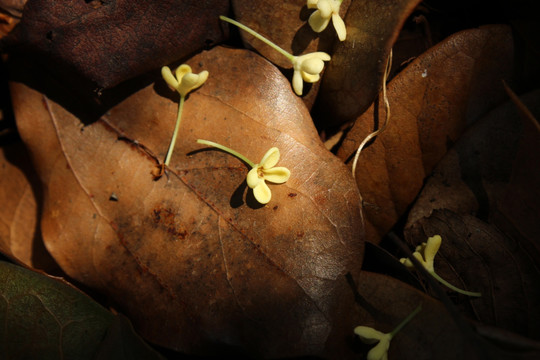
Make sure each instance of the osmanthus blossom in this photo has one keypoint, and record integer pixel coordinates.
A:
(260, 173)
(369, 335)
(326, 10)
(425, 254)
(183, 81)
(264, 171)
(306, 67)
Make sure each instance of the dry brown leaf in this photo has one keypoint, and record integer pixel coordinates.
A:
(108, 42)
(353, 78)
(476, 256)
(432, 101)
(191, 262)
(487, 183)
(20, 237)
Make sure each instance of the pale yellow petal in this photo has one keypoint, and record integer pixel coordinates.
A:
(380, 351)
(310, 78)
(312, 4)
(270, 159)
(192, 81)
(297, 83)
(432, 246)
(317, 22)
(339, 25)
(368, 335)
(277, 175)
(169, 78)
(325, 7)
(321, 55)
(407, 262)
(181, 71)
(312, 65)
(253, 178)
(262, 193)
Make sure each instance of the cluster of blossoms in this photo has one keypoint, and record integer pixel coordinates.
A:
(306, 68)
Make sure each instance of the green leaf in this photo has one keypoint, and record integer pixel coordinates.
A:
(43, 318)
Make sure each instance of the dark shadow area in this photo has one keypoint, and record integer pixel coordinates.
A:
(237, 198)
(378, 260)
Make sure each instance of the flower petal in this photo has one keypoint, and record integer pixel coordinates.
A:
(317, 22)
(297, 83)
(339, 25)
(277, 175)
(312, 4)
(321, 55)
(262, 193)
(253, 178)
(325, 7)
(312, 65)
(181, 71)
(380, 351)
(169, 78)
(432, 246)
(368, 335)
(310, 78)
(192, 81)
(270, 159)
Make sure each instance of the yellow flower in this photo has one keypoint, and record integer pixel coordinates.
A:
(326, 10)
(185, 80)
(425, 254)
(259, 173)
(371, 336)
(307, 67)
(265, 171)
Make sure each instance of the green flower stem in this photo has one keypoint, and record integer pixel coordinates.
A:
(406, 320)
(258, 36)
(175, 133)
(226, 149)
(447, 284)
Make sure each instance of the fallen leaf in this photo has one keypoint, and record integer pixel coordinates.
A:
(383, 302)
(475, 256)
(487, 183)
(194, 263)
(432, 101)
(353, 78)
(20, 237)
(46, 319)
(108, 42)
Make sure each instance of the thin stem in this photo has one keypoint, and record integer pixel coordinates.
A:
(230, 151)
(386, 119)
(406, 320)
(258, 36)
(447, 284)
(175, 133)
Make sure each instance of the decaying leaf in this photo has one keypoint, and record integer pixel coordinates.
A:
(476, 256)
(108, 42)
(487, 182)
(383, 302)
(353, 77)
(191, 258)
(432, 101)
